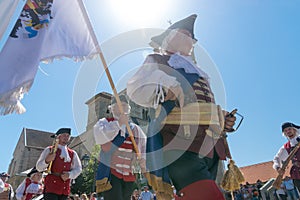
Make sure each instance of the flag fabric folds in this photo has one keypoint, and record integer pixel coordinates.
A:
(7, 10)
(44, 31)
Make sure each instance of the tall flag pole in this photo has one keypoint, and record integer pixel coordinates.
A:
(110, 79)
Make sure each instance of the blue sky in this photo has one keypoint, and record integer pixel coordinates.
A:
(254, 44)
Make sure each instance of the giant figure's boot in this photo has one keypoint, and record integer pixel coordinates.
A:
(201, 190)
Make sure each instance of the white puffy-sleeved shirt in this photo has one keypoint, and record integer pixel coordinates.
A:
(146, 85)
(105, 131)
(282, 154)
(32, 188)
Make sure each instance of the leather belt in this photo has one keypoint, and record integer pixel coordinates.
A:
(56, 173)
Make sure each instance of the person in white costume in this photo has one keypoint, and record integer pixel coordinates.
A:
(291, 132)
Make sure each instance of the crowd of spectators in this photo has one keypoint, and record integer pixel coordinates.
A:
(249, 191)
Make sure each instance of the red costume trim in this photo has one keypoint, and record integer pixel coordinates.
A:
(204, 189)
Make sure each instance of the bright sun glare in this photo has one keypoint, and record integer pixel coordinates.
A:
(139, 12)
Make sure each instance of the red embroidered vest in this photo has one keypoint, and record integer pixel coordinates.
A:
(53, 182)
(122, 161)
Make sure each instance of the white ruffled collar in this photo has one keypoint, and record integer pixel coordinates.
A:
(294, 140)
(64, 153)
(178, 61)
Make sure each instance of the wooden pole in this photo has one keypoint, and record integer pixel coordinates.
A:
(108, 74)
(119, 102)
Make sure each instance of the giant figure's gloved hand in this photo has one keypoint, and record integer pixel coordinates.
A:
(229, 121)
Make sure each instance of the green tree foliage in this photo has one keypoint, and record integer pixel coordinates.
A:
(85, 183)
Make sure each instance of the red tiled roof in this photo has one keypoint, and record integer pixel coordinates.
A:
(263, 171)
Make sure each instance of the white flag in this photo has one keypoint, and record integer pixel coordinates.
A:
(7, 10)
(46, 29)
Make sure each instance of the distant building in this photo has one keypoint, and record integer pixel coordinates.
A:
(28, 149)
(262, 171)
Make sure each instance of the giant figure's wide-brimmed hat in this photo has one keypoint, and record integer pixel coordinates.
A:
(186, 23)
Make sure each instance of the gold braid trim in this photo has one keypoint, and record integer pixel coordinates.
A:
(198, 113)
(162, 189)
(194, 114)
(103, 185)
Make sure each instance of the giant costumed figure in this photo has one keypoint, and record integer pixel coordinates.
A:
(184, 144)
